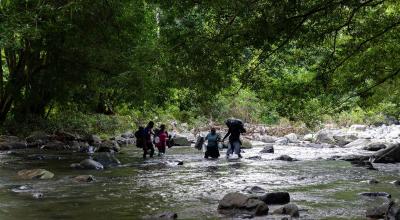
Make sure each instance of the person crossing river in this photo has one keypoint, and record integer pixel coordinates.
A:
(235, 128)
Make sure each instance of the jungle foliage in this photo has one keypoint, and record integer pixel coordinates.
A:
(258, 59)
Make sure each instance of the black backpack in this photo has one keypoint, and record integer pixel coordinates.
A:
(140, 137)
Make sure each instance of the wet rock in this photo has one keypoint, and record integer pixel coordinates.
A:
(286, 158)
(268, 149)
(375, 146)
(37, 138)
(372, 181)
(55, 145)
(11, 143)
(292, 138)
(179, 140)
(361, 163)
(180, 163)
(377, 212)
(88, 164)
(393, 211)
(359, 143)
(244, 216)
(37, 195)
(268, 139)
(93, 139)
(282, 141)
(314, 145)
(246, 144)
(276, 198)
(164, 215)
(343, 139)
(388, 155)
(396, 182)
(376, 194)
(84, 179)
(107, 159)
(108, 146)
(254, 158)
(64, 136)
(356, 158)
(237, 203)
(254, 189)
(21, 189)
(288, 209)
(35, 174)
(324, 136)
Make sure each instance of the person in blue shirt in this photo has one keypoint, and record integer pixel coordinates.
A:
(148, 144)
(212, 139)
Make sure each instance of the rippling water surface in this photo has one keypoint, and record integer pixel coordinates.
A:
(323, 189)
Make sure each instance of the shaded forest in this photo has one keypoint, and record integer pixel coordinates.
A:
(260, 60)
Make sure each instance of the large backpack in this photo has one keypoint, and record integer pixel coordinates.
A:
(235, 124)
(140, 137)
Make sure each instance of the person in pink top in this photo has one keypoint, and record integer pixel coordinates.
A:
(161, 140)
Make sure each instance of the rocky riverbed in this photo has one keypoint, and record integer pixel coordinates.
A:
(326, 174)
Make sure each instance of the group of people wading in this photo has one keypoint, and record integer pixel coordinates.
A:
(148, 137)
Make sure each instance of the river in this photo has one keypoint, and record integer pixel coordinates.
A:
(323, 189)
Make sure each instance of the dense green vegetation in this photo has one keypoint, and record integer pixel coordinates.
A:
(261, 60)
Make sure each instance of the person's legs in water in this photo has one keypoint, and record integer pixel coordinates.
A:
(151, 150)
(229, 151)
(144, 152)
(236, 147)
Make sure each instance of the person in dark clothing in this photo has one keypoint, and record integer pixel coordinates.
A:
(148, 144)
(234, 131)
(212, 139)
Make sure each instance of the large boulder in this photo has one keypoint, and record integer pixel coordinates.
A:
(268, 149)
(375, 146)
(343, 139)
(282, 141)
(11, 142)
(268, 139)
(292, 138)
(180, 140)
(238, 203)
(246, 144)
(107, 159)
(88, 164)
(359, 143)
(108, 146)
(66, 136)
(309, 137)
(377, 212)
(325, 136)
(37, 138)
(35, 174)
(388, 155)
(393, 211)
(275, 198)
(288, 209)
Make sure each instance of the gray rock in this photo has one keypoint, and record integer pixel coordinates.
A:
(276, 198)
(377, 212)
(314, 145)
(11, 143)
(268, 149)
(288, 209)
(343, 139)
(37, 195)
(88, 164)
(128, 134)
(237, 203)
(376, 194)
(254, 158)
(38, 137)
(292, 138)
(35, 174)
(308, 137)
(282, 141)
(93, 139)
(372, 181)
(246, 144)
(358, 127)
(107, 159)
(375, 146)
(324, 136)
(55, 145)
(108, 146)
(84, 179)
(254, 189)
(388, 155)
(268, 139)
(179, 140)
(359, 143)
(393, 211)
(396, 182)
(285, 158)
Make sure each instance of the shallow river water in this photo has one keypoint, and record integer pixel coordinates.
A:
(323, 189)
